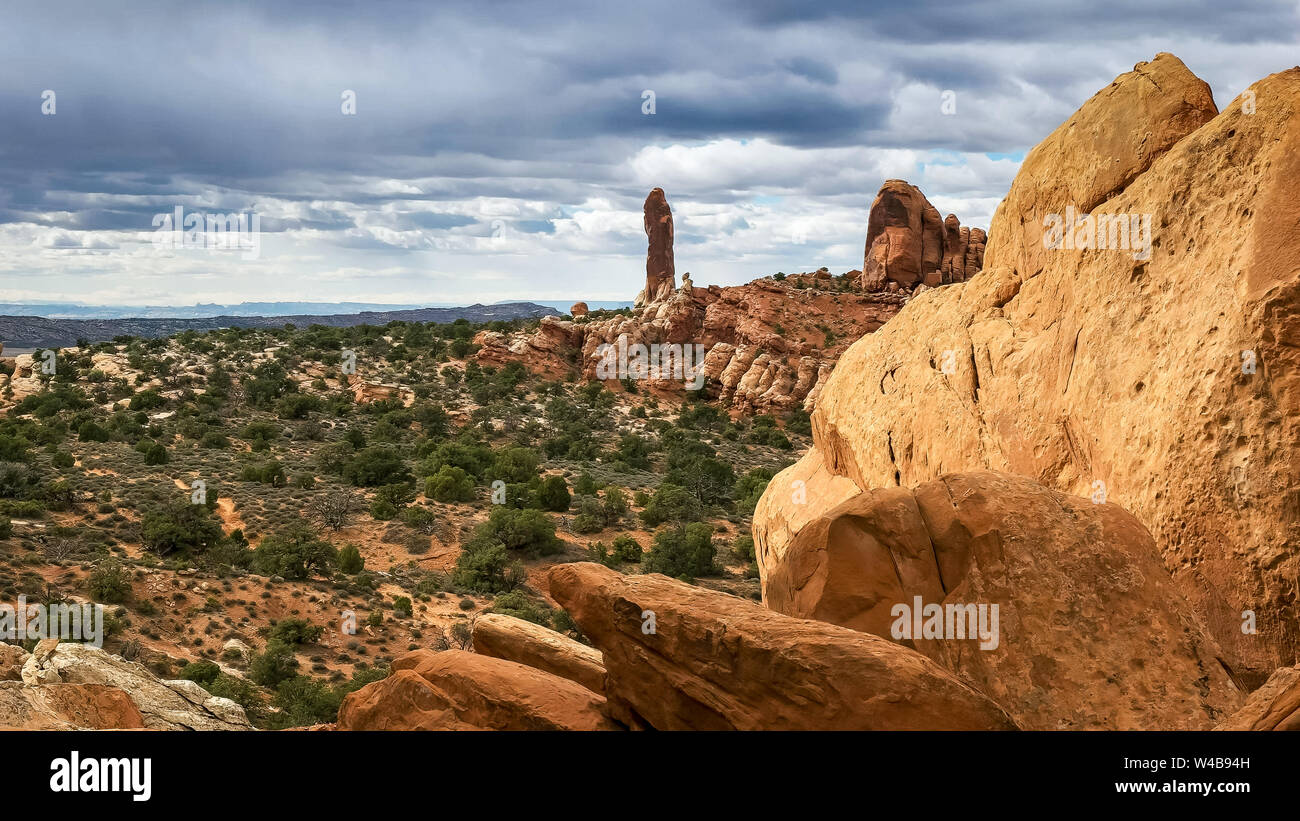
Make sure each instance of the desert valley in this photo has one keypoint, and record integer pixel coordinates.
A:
(986, 481)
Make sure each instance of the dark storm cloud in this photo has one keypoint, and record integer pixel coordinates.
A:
(472, 114)
(930, 21)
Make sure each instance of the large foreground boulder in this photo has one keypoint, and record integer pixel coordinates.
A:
(164, 705)
(456, 690)
(506, 637)
(1167, 381)
(1090, 632)
(680, 657)
(66, 707)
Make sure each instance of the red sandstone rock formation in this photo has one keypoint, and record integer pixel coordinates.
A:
(1080, 589)
(711, 661)
(660, 277)
(769, 345)
(908, 245)
(455, 690)
(1274, 706)
(506, 637)
(1094, 370)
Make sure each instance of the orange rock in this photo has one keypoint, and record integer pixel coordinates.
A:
(907, 243)
(456, 690)
(1095, 154)
(506, 637)
(680, 657)
(660, 276)
(1092, 633)
(1170, 384)
(578, 309)
(67, 707)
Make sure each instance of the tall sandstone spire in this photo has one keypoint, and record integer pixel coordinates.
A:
(660, 277)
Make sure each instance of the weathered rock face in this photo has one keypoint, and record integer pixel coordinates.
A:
(66, 707)
(786, 325)
(1274, 706)
(1090, 634)
(578, 309)
(12, 659)
(768, 345)
(963, 252)
(908, 245)
(660, 276)
(512, 639)
(455, 690)
(717, 662)
(1097, 153)
(905, 238)
(1171, 384)
(164, 705)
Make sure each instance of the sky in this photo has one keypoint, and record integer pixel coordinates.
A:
(460, 152)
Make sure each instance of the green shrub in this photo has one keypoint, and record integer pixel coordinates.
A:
(487, 568)
(304, 701)
(743, 547)
(155, 454)
(516, 604)
(295, 631)
(554, 494)
(295, 553)
(626, 549)
(350, 560)
(749, 488)
(671, 503)
(376, 465)
(273, 666)
(584, 485)
(515, 465)
(449, 484)
(200, 672)
(179, 527)
(109, 582)
(683, 552)
(529, 532)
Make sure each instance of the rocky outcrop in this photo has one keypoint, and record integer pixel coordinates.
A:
(767, 345)
(1097, 153)
(578, 309)
(12, 659)
(908, 245)
(456, 690)
(1170, 385)
(681, 657)
(512, 639)
(963, 252)
(797, 332)
(66, 707)
(1274, 706)
(660, 276)
(164, 705)
(1090, 632)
